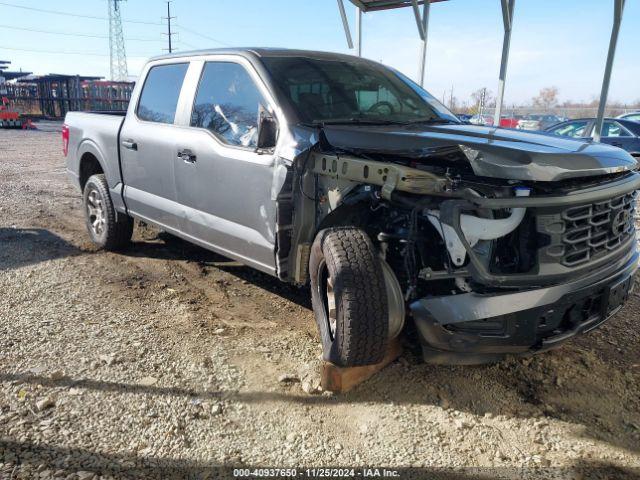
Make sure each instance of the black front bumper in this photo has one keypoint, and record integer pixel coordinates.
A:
(473, 328)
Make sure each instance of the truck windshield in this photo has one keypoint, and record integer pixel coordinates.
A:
(325, 91)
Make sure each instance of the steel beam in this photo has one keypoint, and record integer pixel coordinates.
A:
(416, 13)
(423, 30)
(345, 23)
(618, 11)
(507, 20)
(359, 31)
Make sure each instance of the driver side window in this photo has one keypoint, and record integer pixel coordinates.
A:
(227, 104)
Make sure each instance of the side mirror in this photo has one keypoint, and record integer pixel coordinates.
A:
(267, 130)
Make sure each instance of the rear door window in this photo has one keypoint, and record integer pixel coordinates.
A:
(227, 104)
(614, 129)
(571, 129)
(160, 93)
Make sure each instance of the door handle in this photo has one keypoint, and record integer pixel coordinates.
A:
(187, 156)
(130, 144)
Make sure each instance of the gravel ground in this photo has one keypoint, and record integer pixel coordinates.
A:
(167, 361)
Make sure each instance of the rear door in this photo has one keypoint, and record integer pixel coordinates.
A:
(147, 145)
(222, 183)
(614, 133)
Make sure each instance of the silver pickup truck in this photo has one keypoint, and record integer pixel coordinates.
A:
(340, 173)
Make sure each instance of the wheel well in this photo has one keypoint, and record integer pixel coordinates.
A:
(89, 165)
(346, 216)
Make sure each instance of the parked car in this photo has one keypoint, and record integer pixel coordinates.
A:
(538, 122)
(634, 116)
(464, 117)
(481, 120)
(510, 121)
(618, 132)
(337, 172)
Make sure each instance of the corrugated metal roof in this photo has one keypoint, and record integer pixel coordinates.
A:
(373, 5)
(8, 75)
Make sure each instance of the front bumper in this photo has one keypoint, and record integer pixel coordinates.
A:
(475, 328)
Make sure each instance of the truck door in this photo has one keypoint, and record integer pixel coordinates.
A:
(147, 143)
(222, 183)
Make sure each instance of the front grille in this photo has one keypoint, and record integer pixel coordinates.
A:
(591, 231)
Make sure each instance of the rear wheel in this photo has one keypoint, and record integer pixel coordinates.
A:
(349, 297)
(107, 228)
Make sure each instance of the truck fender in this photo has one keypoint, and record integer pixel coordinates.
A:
(111, 171)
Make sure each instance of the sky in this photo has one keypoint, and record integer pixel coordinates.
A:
(561, 43)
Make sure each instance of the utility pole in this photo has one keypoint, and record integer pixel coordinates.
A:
(169, 34)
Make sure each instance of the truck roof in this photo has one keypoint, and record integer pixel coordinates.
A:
(258, 51)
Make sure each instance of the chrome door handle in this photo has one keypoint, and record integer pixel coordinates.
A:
(130, 144)
(187, 156)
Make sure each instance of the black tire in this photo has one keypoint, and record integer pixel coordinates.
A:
(113, 230)
(344, 261)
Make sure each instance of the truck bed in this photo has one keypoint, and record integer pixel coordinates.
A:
(94, 134)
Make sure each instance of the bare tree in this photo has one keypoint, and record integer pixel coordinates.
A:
(546, 99)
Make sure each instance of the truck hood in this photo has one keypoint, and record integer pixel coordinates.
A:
(491, 152)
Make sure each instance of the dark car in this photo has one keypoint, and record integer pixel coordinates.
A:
(635, 116)
(618, 132)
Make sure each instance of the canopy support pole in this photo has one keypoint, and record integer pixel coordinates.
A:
(359, 31)
(613, 42)
(345, 23)
(422, 21)
(507, 20)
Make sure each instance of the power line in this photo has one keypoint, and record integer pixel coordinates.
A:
(58, 52)
(95, 17)
(87, 35)
(77, 15)
(202, 35)
(193, 47)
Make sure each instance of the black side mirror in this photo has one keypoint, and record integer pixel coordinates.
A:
(267, 129)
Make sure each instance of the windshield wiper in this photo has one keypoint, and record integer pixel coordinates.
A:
(364, 121)
(356, 121)
(431, 120)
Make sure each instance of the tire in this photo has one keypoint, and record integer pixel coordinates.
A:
(107, 228)
(349, 297)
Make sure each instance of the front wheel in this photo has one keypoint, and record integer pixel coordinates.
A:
(107, 228)
(349, 297)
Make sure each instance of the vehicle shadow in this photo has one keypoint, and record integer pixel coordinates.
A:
(164, 246)
(130, 465)
(20, 247)
(592, 381)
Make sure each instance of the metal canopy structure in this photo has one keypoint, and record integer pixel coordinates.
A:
(508, 6)
(364, 6)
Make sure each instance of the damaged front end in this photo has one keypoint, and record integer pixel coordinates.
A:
(485, 266)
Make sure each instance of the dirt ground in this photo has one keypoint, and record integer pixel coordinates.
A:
(168, 361)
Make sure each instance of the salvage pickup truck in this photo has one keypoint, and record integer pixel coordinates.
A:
(340, 173)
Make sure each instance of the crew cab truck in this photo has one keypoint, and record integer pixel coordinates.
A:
(337, 172)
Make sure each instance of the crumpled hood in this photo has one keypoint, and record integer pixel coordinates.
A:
(492, 152)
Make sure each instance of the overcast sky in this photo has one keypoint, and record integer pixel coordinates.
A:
(560, 43)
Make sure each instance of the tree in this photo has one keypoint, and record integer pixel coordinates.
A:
(546, 99)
